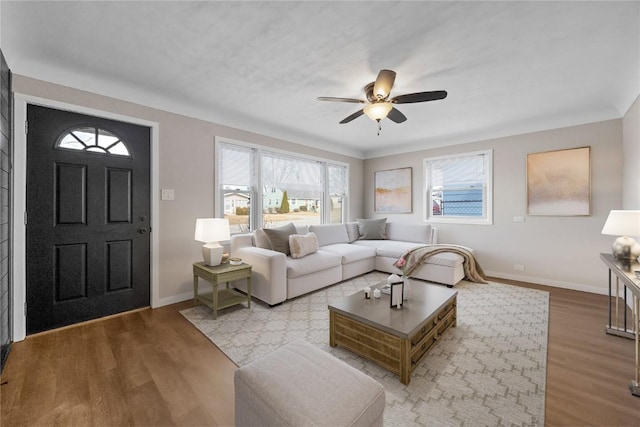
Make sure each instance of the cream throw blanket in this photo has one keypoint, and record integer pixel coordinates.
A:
(418, 256)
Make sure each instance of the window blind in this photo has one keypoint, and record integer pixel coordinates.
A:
(236, 167)
(458, 172)
(296, 175)
(337, 176)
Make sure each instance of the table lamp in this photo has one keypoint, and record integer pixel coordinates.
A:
(624, 223)
(212, 231)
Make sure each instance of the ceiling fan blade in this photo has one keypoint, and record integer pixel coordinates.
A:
(396, 116)
(331, 98)
(351, 117)
(368, 91)
(410, 98)
(384, 83)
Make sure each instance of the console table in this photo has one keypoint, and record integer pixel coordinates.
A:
(624, 273)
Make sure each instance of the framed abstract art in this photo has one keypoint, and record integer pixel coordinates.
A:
(393, 189)
(559, 182)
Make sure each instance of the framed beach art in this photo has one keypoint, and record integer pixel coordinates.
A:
(559, 182)
(393, 189)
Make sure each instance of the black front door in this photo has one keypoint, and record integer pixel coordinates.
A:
(88, 217)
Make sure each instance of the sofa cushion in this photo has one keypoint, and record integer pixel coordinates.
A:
(279, 237)
(329, 234)
(372, 229)
(301, 245)
(394, 250)
(403, 232)
(350, 253)
(447, 259)
(318, 261)
(388, 248)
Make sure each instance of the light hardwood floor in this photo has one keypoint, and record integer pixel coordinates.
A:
(151, 367)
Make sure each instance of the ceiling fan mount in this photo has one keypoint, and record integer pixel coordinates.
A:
(379, 106)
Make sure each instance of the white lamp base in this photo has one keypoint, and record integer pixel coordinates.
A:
(212, 253)
(625, 248)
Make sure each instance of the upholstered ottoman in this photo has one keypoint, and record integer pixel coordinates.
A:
(301, 385)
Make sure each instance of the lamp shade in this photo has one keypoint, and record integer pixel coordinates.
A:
(212, 230)
(378, 110)
(622, 223)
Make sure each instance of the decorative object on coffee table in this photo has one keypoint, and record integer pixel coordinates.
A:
(406, 285)
(396, 295)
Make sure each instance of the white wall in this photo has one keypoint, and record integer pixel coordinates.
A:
(557, 251)
(186, 166)
(631, 160)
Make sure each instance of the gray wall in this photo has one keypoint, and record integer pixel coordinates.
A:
(187, 166)
(558, 251)
(631, 165)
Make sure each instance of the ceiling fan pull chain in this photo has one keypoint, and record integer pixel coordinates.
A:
(379, 127)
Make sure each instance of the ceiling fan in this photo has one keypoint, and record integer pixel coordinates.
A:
(378, 105)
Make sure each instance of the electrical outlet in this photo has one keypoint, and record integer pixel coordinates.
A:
(518, 267)
(168, 194)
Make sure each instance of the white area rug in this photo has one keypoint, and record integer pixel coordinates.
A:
(489, 370)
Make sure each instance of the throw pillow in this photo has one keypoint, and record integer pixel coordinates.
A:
(279, 237)
(303, 244)
(261, 239)
(372, 229)
(352, 231)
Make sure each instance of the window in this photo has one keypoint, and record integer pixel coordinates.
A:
(459, 188)
(281, 187)
(337, 177)
(296, 181)
(235, 168)
(93, 140)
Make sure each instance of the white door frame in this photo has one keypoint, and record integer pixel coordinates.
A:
(19, 191)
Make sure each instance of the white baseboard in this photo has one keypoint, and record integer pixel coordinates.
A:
(548, 282)
(182, 297)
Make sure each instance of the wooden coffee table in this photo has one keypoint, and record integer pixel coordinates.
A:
(396, 339)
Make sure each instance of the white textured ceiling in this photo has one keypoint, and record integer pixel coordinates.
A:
(508, 67)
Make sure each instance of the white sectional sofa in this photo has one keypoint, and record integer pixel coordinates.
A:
(342, 251)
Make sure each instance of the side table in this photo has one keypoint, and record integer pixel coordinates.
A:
(223, 273)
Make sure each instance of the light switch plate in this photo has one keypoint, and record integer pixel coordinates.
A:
(168, 194)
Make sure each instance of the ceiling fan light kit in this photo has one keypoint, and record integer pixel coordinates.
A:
(378, 111)
(379, 106)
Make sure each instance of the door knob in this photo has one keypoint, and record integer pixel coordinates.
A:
(142, 230)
